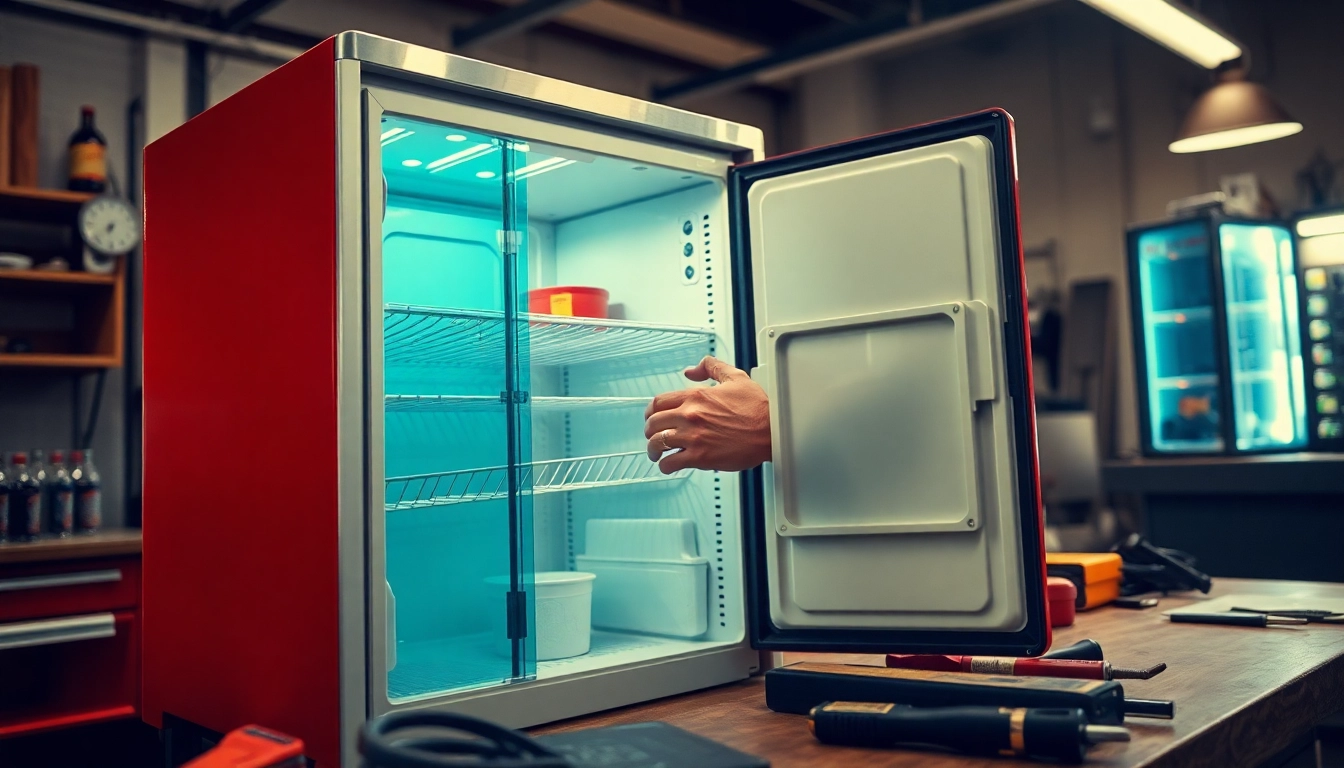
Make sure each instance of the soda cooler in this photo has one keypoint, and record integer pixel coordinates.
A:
(374, 480)
(1217, 337)
(1321, 265)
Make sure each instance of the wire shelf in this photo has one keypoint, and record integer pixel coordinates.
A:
(486, 403)
(415, 335)
(552, 476)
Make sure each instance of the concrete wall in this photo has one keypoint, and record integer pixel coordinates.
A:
(1095, 106)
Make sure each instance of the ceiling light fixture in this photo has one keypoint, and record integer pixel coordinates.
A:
(485, 174)
(1175, 27)
(1316, 226)
(457, 158)
(1233, 113)
(412, 163)
(390, 132)
(455, 137)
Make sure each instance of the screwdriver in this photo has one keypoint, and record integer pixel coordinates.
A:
(1053, 734)
(994, 665)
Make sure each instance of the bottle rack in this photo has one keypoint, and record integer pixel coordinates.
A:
(490, 483)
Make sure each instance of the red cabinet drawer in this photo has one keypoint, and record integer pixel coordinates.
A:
(65, 588)
(67, 671)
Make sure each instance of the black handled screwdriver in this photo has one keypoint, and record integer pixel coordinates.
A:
(1040, 733)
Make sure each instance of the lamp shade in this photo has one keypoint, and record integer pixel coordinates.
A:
(1232, 113)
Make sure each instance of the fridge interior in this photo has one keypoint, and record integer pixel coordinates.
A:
(1260, 288)
(668, 570)
(1178, 326)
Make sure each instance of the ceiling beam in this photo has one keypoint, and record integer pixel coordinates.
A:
(890, 33)
(240, 16)
(512, 21)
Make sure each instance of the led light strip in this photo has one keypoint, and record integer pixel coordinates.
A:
(541, 167)
(457, 158)
(393, 135)
(1321, 225)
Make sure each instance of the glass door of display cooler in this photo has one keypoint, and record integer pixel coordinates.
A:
(1321, 262)
(449, 423)
(1175, 328)
(1259, 284)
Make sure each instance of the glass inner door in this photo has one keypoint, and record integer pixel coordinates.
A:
(535, 298)
(457, 518)
(1260, 287)
(1178, 321)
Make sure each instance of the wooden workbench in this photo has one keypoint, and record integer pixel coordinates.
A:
(1242, 694)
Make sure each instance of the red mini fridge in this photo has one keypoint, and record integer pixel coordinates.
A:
(375, 482)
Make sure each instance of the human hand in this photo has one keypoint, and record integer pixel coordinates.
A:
(725, 427)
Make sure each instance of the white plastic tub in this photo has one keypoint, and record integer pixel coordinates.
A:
(650, 579)
(564, 609)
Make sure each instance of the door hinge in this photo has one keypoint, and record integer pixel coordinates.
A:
(516, 396)
(510, 241)
(516, 605)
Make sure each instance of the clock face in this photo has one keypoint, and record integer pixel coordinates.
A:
(109, 225)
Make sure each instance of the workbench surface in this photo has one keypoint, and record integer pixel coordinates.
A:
(1242, 694)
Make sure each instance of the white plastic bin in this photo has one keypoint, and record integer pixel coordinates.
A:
(650, 578)
(564, 609)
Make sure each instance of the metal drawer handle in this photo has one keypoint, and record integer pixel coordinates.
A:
(53, 631)
(60, 580)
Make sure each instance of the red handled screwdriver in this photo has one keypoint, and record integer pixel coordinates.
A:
(994, 665)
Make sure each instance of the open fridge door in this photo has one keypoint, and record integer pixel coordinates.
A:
(881, 294)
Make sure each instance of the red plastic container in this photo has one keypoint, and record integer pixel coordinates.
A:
(1062, 596)
(568, 301)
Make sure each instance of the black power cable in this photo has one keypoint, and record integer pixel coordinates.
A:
(386, 742)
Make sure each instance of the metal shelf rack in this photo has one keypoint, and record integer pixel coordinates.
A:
(414, 335)
(552, 476)
(488, 404)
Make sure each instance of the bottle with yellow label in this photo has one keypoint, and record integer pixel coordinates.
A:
(88, 156)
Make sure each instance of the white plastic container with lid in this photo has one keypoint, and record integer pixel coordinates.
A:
(564, 604)
(651, 579)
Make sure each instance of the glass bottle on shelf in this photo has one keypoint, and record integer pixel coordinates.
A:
(6, 473)
(88, 155)
(25, 497)
(60, 494)
(88, 492)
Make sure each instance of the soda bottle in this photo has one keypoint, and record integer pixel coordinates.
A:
(88, 492)
(37, 467)
(60, 497)
(25, 497)
(5, 473)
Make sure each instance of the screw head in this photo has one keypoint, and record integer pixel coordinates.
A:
(970, 523)
(770, 333)
(956, 308)
(783, 528)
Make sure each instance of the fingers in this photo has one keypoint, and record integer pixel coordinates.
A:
(713, 368)
(661, 442)
(666, 402)
(676, 462)
(663, 420)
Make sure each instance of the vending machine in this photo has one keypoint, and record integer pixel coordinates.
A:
(1218, 348)
(1320, 243)
(403, 314)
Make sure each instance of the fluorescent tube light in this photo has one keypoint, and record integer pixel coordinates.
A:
(470, 153)
(1173, 26)
(1321, 225)
(397, 134)
(390, 132)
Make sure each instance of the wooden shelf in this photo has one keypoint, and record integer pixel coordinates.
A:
(46, 203)
(37, 360)
(46, 281)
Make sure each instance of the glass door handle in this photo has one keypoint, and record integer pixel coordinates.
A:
(54, 631)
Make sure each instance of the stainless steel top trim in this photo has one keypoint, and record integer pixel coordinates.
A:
(476, 75)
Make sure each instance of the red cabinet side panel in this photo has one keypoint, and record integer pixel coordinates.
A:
(240, 488)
